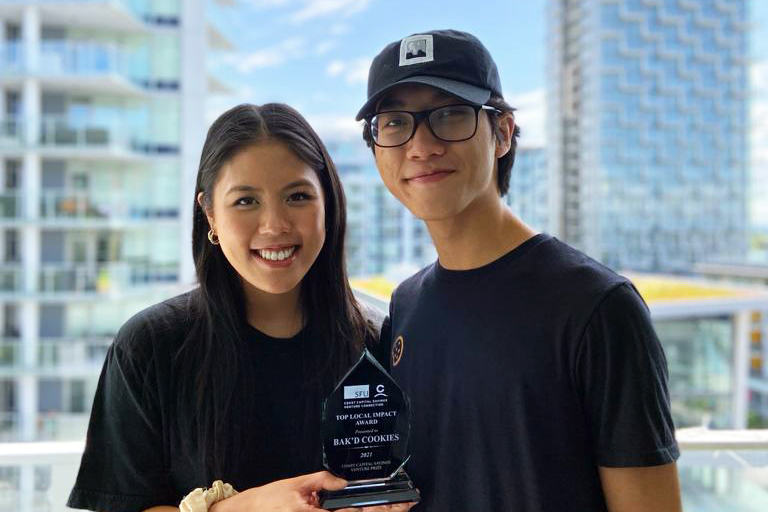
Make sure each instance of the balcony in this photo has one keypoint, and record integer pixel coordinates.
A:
(116, 15)
(720, 471)
(59, 357)
(11, 132)
(11, 205)
(10, 277)
(11, 57)
(84, 207)
(108, 278)
(93, 67)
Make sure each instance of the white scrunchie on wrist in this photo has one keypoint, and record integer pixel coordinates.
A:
(201, 499)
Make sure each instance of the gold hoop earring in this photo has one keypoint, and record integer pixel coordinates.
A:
(213, 237)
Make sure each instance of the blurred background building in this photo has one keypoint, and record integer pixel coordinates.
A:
(648, 131)
(101, 124)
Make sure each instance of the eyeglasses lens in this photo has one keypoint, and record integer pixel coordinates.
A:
(452, 123)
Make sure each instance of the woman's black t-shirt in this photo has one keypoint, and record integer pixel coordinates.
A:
(135, 455)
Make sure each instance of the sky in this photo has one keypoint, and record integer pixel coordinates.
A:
(315, 54)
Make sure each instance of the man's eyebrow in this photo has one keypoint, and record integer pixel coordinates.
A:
(390, 103)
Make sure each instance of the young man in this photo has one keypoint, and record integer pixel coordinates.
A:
(536, 380)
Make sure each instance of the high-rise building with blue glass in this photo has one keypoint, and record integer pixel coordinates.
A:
(648, 130)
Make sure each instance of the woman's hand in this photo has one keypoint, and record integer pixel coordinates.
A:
(290, 495)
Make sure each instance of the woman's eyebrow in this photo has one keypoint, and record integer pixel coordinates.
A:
(299, 183)
(241, 188)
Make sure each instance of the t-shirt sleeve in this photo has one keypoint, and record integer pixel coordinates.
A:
(623, 376)
(384, 346)
(123, 468)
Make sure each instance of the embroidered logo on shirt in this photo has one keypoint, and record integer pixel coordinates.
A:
(397, 350)
(416, 49)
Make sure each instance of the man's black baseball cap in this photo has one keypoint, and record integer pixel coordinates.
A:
(452, 61)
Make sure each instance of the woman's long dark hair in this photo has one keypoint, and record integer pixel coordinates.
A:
(210, 373)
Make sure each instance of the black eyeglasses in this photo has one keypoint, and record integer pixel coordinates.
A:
(449, 123)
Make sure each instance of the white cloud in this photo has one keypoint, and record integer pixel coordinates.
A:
(336, 126)
(317, 8)
(338, 29)
(353, 72)
(287, 49)
(759, 76)
(324, 47)
(531, 114)
(268, 3)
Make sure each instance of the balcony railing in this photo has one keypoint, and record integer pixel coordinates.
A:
(88, 58)
(10, 277)
(11, 354)
(11, 56)
(11, 131)
(45, 426)
(104, 278)
(52, 353)
(78, 204)
(11, 205)
(59, 131)
(720, 471)
(139, 8)
(114, 136)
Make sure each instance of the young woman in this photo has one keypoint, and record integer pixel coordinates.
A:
(226, 382)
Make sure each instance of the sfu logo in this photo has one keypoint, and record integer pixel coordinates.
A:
(357, 392)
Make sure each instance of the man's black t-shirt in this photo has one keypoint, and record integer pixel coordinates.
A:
(524, 376)
(134, 458)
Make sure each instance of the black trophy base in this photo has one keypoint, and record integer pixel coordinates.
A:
(398, 489)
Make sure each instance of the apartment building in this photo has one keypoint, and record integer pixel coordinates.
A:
(101, 124)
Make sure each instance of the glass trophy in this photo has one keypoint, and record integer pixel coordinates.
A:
(366, 425)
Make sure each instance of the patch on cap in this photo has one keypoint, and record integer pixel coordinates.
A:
(416, 49)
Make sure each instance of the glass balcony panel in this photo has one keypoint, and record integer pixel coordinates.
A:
(90, 58)
(10, 277)
(61, 204)
(713, 479)
(9, 430)
(59, 131)
(11, 354)
(11, 56)
(104, 278)
(139, 8)
(11, 205)
(81, 352)
(11, 131)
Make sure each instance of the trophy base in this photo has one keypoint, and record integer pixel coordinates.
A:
(398, 489)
